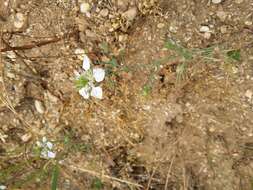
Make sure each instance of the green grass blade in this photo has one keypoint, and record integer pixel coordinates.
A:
(55, 175)
(234, 55)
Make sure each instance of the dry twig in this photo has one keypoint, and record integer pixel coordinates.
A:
(102, 176)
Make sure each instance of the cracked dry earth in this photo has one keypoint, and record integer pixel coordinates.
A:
(193, 134)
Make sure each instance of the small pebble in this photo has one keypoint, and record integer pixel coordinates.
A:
(26, 137)
(11, 55)
(160, 25)
(204, 29)
(104, 12)
(249, 94)
(123, 5)
(10, 75)
(248, 23)
(19, 21)
(207, 35)
(221, 15)
(85, 7)
(238, 1)
(39, 106)
(216, 1)
(130, 14)
(223, 29)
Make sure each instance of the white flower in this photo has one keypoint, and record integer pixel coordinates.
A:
(44, 139)
(86, 63)
(85, 92)
(97, 92)
(46, 149)
(51, 154)
(49, 145)
(3, 187)
(88, 78)
(99, 74)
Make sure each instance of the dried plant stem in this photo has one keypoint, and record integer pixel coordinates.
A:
(36, 44)
(103, 176)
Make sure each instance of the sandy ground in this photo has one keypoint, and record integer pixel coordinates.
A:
(168, 120)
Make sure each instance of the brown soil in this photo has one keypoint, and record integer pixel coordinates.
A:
(195, 133)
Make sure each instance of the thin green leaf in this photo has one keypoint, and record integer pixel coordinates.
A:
(183, 52)
(171, 45)
(97, 184)
(112, 62)
(234, 54)
(55, 175)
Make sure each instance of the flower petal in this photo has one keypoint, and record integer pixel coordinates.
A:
(84, 92)
(86, 63)
(44, 139)
(99, 74)
(3, 187)
(51, 154)
(97, 92)
(49, 145)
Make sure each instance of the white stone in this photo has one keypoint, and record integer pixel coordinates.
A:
(19, 20)
(248, 23)
(249, 94)
(39, 106)
(104, 12)
(11, 55)
(26, 137)
(160, 25)
(204, 29)
(216, 1)
(130, 14)
(84, 7)
(207, 35)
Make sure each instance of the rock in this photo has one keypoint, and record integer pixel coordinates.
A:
(10, 75)
(26, 137)
(85, 7)
(19, 20)
(248, 23)
(204, 29)
(221, 15)
(52, 98)
(104, 12)
(11, 55)
(249, 94)
(39, 106)
(122, 38)
(130, 14)
(123, 5)
(207, 35)
(173, 29)
(216, 1)
(160, 25)
(238, 1)
(223, 29)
